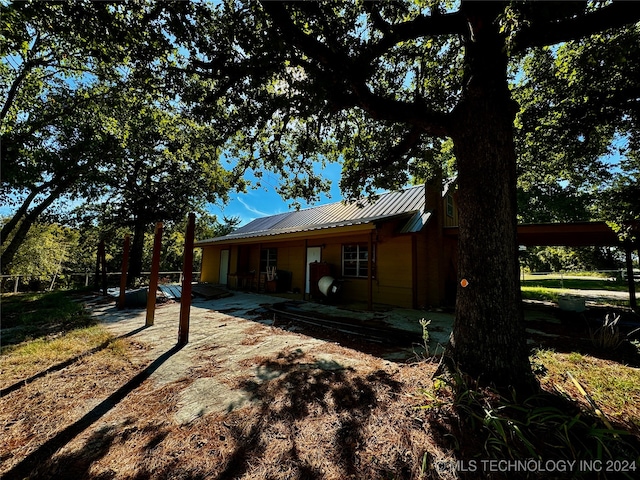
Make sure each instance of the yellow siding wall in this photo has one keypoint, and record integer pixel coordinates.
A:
(392, 285)
(422, 251)
(210, 270)
(353, 289)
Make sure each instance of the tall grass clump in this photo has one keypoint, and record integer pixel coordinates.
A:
(609, 336)
(485, 424)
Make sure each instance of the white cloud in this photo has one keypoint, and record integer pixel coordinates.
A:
(253, 210)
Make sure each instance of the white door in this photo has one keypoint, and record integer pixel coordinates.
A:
(224, 267)
(314, 254)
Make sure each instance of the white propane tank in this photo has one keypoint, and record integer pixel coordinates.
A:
(327, 286)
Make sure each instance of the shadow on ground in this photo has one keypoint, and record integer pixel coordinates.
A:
(298, 390)
(59, 366)
(31, 465)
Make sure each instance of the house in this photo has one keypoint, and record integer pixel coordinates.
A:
(392, 251)
(400, 250)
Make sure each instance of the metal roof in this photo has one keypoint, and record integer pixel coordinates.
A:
(417, 222)
(339, 214)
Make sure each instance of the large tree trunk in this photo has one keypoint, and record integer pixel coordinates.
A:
(135, 258)
(488, 339)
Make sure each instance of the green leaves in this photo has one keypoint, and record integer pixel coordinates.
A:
(44, 251)
(577, 107)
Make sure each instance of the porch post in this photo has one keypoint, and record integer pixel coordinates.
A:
(304, 270)
(123, 275)
(103, 261)
(96, 279)
(414, 271)
(187, 275)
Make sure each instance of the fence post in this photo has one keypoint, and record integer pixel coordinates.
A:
(96, 282)
(187, 274)
(630, 278)
(103, 259)
(123, 276)
(15, 285)
(153, 281)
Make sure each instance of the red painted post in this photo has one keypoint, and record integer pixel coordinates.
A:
(370, 273)
(123, 276)
(153, 281)
(187, 274)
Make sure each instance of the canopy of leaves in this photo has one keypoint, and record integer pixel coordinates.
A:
(580, 106)
(70, 76)
(374, 84)
(45, 251)
(163, 166)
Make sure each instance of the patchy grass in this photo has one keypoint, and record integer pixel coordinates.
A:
(29, 358)
(575, 283)
(26, 316)
(540, 293)
(615, 388)
(549, 294)
(564, 423)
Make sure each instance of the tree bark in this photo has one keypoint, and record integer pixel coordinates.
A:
(137, 247)
(488, 340)
(8, 227)
(28, 220)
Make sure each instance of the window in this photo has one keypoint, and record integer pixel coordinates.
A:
(449, 205)
(355, 260)
(268, 258)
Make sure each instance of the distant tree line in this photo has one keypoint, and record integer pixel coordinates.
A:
(51, 249)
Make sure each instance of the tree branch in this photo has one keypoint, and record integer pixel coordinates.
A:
(550, 33)
(338, 71)
(27, 67)
(422, 26)
(309, 45)
(416, 113)
(28, 219)
(408, 143)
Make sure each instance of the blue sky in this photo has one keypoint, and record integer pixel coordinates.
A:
(265, 201)
(258, 202)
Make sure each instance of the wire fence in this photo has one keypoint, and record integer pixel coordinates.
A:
(619, 274)
(67, 281)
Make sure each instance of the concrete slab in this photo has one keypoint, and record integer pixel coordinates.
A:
(227, 340)
(232, 343)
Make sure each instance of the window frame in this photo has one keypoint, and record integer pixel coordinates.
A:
(450, 206)
(271, 259)
(360, 262)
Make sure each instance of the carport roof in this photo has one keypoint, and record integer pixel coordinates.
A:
(575, 234)
(409, 203)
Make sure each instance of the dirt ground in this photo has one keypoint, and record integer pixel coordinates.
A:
(243, 399)
(253, 395)
(229, 338)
